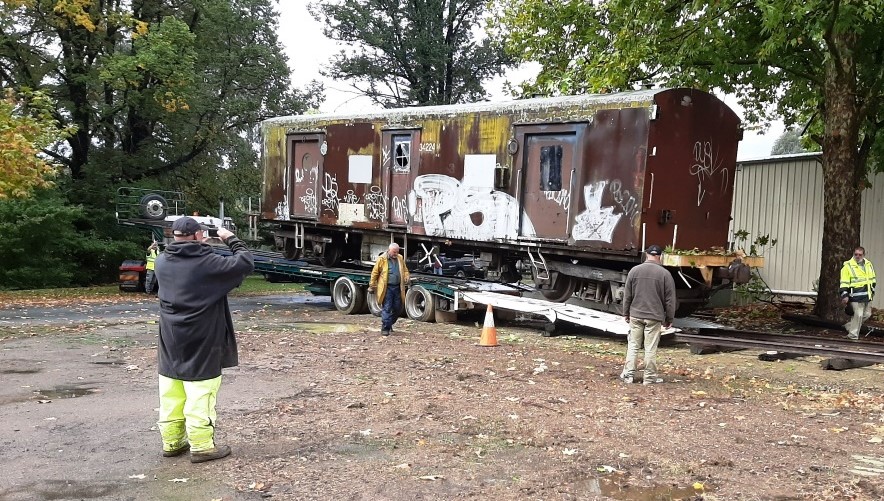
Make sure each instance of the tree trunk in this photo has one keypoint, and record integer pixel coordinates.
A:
(842, 176)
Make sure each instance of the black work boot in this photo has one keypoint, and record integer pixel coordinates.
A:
(217, 452)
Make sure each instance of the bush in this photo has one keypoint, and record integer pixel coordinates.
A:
(46, 243)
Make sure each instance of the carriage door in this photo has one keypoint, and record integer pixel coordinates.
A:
(305, 169)
(398, 164)
(547, 159)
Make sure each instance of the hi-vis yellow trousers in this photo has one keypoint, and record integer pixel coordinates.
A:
(187, 413)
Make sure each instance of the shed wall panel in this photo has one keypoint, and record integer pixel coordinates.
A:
(784, 199)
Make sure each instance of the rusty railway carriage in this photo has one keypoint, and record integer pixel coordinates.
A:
(574, 187)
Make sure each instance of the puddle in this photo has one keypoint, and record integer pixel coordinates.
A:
(62, 489)
(63, 392)
(610, 488)
(325, 328)
(19, 371)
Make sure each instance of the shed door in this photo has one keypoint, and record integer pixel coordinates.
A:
(547, 167)
(305, 169)
(399, 166)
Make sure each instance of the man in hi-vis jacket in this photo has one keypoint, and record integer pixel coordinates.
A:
(857, 288)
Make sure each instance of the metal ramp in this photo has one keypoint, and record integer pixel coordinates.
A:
(599, 320)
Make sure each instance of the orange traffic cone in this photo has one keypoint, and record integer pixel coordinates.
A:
(489, 332)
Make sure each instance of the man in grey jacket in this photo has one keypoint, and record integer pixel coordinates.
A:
(648, 304)
(196, 336)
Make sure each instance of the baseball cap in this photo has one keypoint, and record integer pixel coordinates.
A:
(184, 226)
(654, 250)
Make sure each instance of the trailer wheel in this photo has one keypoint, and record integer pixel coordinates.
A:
(371, 300)
(154, 207)
(563, 289)
(420, 304)
(349, 298)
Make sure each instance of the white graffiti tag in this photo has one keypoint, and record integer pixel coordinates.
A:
(376, 204)
(624, 199)
(596, 222)
(309, 201)
(385, 156)
(400, 208)
(282, 210)
(561, 197)
(705, 167)
(452, 210)
(330, 193)
(351, 198)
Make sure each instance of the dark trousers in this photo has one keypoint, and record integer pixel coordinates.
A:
(149, 282)
(392, 307)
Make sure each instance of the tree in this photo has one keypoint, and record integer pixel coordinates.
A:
(154, 88)
(412, 52)
(26, 127)
(48, 242)
(816, 60)
(788, 142)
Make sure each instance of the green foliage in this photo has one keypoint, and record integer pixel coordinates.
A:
(756, 289)
(412, 53)
(789, 142)
(26, 127)
(48, 243)
(159, 94)
(757, 247)
(815, 62)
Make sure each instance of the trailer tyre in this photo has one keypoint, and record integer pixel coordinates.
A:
(371, 300)
(154, 207)
(349, 298)
(420, 304)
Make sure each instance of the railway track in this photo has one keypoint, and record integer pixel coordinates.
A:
(863, 351)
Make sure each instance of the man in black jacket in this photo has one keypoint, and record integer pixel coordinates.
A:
(196, 336)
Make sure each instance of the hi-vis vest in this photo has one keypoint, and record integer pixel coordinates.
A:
(151, 259)
(858, 282)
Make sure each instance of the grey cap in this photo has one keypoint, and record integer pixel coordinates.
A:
(654, 250)
(184, 226)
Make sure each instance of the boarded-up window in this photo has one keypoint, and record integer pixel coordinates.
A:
(551, 168)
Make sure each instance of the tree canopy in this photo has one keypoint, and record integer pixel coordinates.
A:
(412, 52)
(26, 127)
(788, 142)
(155, 89)
(816, 61)
(155, 93)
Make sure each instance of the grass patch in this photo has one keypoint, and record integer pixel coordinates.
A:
(256, 284)
(253, 285)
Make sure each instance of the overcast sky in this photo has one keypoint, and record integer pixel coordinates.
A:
(308, 50)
